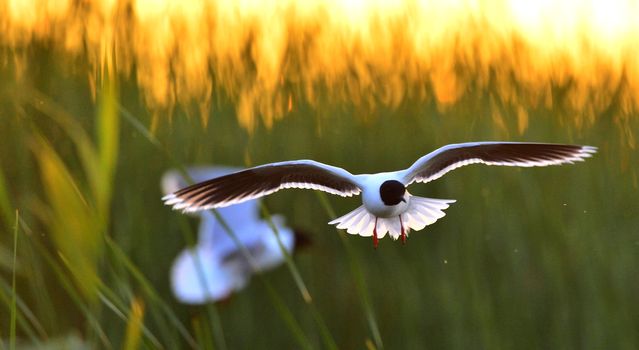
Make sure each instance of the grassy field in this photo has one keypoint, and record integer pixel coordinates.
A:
(526, 258)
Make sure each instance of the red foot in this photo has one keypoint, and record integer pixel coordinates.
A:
(375, 240)
(401, 223)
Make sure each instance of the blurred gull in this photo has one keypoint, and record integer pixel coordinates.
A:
(215, 267)
(387, 204)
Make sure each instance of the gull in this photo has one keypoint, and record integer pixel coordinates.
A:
(387, 206)
(215, 267)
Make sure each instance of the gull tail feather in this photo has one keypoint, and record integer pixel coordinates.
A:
(421, 213)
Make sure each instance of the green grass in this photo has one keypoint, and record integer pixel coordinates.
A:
(527, 258)
(356, 271)
(12, 330)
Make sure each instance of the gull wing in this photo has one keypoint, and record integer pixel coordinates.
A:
(198, 277)
(524, 154)
(263, 180)
(236, 216)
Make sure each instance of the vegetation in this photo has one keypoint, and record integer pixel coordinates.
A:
(527, 258)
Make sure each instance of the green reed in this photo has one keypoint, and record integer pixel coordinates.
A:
(12, 330)
(530, 258)
(275, 299)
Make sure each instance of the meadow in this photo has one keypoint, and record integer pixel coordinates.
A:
(526, 258)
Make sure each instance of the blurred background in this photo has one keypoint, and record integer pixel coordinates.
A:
(99, 98)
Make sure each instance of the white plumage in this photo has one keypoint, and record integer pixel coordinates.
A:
(421, 213)
(216, 267)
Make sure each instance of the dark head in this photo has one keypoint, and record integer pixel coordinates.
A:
(392, 192)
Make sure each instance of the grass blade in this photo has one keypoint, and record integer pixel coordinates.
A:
(202, 334)
(149, 291)
(286, 315)
(133, 328)
(211, 309)
(5, 203)
(108, 128)
(297, 277)
(44, 304)
(72, 291)
(12, 331)
(356, 270)
(283, 311)
(25, 318)
(73, 222)
(84, 145)
(116, 305)
(329, 341)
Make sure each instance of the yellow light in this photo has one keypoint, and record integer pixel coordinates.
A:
(265, 54)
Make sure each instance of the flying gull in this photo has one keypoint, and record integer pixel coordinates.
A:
(387, 207)
(216, 267)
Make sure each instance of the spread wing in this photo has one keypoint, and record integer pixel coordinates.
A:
(261, 181)
(524, 154)
(236, 215)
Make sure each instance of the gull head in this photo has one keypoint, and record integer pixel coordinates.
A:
(392, 192)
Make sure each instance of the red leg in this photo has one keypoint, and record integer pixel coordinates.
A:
(401, 223)
(375, 240)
